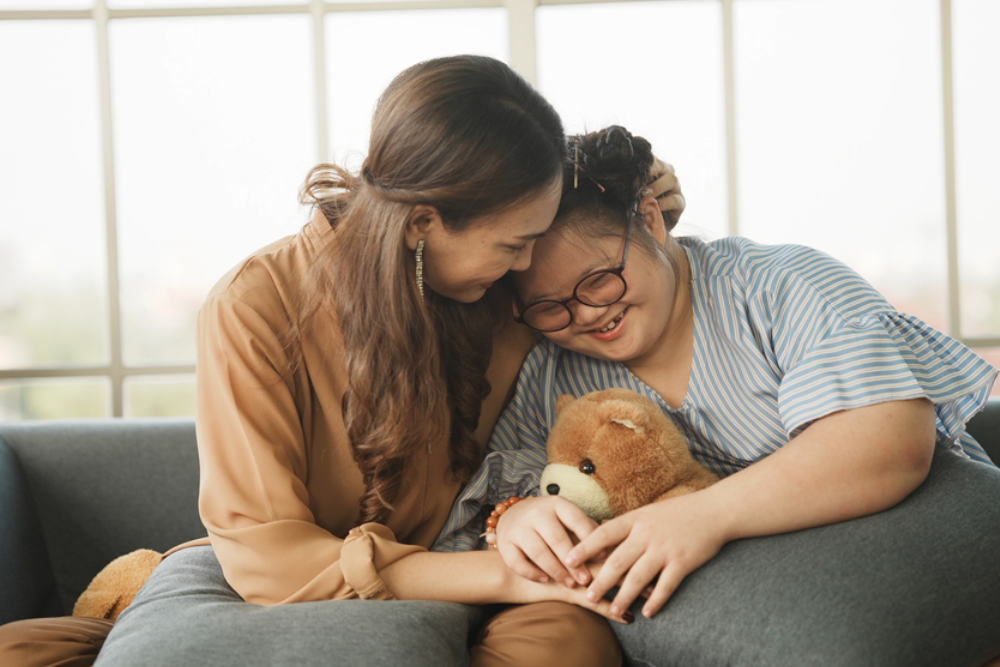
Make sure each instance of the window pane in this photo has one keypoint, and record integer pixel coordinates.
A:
(668, 88)
(214, 133)
(352, 90)
(159, 396)
(53, 284)
(840, 141)
(977, 145)
(70, 398)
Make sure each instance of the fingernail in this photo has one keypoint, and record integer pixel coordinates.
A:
(592, 596)
(628, 617)
(543, 580)
(617, 611)
(582, 578)
(569, 582)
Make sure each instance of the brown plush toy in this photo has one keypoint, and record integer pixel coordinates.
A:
(614, 450)
(114, 587)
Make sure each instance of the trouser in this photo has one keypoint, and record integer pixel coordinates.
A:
(187, 614)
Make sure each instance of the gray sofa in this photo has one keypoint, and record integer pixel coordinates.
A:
(74, 495)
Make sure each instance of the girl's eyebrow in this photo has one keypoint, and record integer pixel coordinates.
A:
(594, 266)
(530, 237)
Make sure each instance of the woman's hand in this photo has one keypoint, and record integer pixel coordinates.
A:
(667, 190)
(534, 536)
(670, 538)
(524, 591)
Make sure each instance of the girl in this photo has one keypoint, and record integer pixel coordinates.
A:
(837, 423)
(348, 378)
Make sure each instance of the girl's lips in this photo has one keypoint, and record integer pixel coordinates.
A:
(613, 333)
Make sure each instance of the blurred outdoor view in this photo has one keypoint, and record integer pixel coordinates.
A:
(839, 144)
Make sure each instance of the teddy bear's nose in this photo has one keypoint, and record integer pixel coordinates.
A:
(553, 489)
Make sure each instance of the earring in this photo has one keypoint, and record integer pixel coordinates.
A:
(420, 268)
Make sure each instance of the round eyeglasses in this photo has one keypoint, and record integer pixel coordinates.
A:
(597, 289)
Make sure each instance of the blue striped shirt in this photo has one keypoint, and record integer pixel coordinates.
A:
(783, 335)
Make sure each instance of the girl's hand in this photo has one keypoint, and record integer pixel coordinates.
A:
(534, 536)
(670, 538)
(667, 190)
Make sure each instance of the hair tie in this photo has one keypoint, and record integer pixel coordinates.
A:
(577, 169)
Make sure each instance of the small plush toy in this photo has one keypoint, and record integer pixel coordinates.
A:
(114, 587)
(614, 450)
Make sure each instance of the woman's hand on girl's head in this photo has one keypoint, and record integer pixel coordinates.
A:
(534, 536)
(670, 539)
(667, 190)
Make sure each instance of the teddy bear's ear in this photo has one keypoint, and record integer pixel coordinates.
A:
(563, 401)
(627, 423)
(625, 413)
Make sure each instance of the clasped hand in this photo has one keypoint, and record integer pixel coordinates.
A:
(549, 538)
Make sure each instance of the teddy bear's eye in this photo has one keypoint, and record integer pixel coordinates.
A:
(587, 467)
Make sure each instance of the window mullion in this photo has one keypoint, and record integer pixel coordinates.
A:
(117, 369)
(521, 27)
(730, 97)
(951, 214)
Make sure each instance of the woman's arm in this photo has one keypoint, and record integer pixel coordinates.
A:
(845, 465)
(478, 577)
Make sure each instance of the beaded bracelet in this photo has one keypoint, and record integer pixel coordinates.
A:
(494, 518)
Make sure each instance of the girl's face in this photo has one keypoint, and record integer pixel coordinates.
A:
(640, 319)
(462, 264)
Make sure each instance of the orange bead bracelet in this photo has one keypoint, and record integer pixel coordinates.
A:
(494, 519)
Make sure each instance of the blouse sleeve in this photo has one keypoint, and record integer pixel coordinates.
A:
(840, 345)
(253, 498)
(512, 466)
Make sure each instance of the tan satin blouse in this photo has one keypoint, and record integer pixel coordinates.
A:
(279, 488)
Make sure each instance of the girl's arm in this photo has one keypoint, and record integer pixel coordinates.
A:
(845, 465)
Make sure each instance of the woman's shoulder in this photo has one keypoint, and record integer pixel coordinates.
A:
(276, 270)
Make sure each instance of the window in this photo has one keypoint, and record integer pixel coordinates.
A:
(148, 145)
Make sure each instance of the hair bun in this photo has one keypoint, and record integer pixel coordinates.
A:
(616, 160)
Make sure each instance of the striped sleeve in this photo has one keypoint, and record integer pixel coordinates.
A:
(514, 460)
(841, 346)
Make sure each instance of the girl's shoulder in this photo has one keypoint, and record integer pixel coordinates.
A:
(737, 255)
(782, 271)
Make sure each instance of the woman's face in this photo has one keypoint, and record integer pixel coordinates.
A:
(462, 264)
(563, 258)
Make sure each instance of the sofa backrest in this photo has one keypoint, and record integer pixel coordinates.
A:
(985, 428)
(100, 489)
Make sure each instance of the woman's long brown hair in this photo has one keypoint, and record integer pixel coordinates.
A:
(470, 137)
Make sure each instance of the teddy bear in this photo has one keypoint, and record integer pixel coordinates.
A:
(114, 587)
(614, 450)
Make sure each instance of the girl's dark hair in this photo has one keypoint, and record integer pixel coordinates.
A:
(605, 177)
(466, 135)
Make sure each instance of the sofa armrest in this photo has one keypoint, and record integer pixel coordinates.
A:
(99, 489)
(29, 588)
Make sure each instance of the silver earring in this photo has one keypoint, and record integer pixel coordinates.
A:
(420, 268)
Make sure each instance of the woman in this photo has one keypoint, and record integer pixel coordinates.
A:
(837, 423)
(348, 378)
